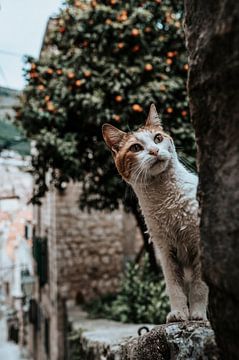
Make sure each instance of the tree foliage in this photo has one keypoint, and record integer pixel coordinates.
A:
(141, 297)
(104, 61)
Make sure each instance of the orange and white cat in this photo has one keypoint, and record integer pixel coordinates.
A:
(166, 190)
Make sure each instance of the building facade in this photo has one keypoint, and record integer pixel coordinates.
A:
(79, 256)
(15, 218)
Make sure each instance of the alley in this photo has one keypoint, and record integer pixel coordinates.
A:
(8, 350)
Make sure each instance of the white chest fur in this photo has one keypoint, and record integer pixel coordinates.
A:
(170, 207)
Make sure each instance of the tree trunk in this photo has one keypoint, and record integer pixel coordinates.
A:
(149, 248)
(212, 33)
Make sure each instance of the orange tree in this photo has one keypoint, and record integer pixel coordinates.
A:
(104, 61)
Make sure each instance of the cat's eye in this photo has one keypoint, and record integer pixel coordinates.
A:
(158, 138)
(136, 148)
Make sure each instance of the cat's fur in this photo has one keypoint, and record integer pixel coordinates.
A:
(167, 196)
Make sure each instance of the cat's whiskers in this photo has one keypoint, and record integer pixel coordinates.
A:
(141, 174)
(144, 182)
(135, 172)
(139, 171)
(145, 179)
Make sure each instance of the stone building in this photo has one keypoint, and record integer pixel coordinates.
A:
(79, 256)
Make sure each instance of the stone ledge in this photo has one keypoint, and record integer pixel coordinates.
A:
(181, 341)
(109, 340)
(97, 339)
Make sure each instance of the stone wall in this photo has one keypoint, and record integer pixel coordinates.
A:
(212, 32)
(92, 245)
(86, 257)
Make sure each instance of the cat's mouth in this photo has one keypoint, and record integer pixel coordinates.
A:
(158, 161)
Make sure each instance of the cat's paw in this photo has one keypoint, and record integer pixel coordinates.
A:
(198, 316)
(176, 316)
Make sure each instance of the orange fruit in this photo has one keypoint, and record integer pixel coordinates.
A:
(120, 45)
(135, 32)
(49, 71)
(137, 108)
(71, 75)
(50, 106)
(118, 98)
(116, 118)
(136, 48)
(87, 73)
(169, 110)
(185, 66)
(148, 67)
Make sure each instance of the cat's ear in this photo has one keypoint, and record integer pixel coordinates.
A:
(112, 137)
(153, 117)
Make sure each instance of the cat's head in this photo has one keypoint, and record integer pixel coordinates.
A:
(143, 154)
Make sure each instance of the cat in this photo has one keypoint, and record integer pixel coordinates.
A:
(147, 160)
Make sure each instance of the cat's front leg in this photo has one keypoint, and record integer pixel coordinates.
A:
(173, 274)
(198, 298)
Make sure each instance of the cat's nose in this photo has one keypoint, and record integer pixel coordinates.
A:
(154, 151)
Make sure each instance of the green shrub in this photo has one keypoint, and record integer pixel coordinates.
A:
(141, 298)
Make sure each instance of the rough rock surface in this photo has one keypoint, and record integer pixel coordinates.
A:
(109, 340)
(181, 341)
(212, 33)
